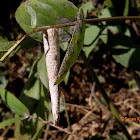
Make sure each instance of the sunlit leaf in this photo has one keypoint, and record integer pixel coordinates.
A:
(108, 3)
(36, 13)
(64, 46)
(13, 103)
(113, 26)
(104, 36)
(89, 40)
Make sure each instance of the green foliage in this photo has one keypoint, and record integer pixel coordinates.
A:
(36, 13)
(5, 45)
(3, 80)
(66, 79)
(87, 7)
(42, 71)
(89, 41)
(74, 47)
(126, 9)
(124, 51)
(34, 96)
(13, 103)
(10, 121)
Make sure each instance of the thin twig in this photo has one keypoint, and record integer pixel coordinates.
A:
(77, 106)
(84, 110)
(51, 124)
(85, 45)
(87, 115)
(5, 132)
(46, 132)
(109, 19)
(134, 123)
(13, 47)
(93, 20)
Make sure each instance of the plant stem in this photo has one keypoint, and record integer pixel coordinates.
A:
(108, 102)
(52, 52)
(90, 21)
(13, 47)
(110, 19)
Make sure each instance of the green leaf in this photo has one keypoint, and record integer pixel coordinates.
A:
(31, 92)
(13, 103)
(42, 71)
(108, 3)
(90, 34)
(104, 36)
(113, 26)
(64, 46)
(74, 48)
(109, 12)
(124, 51)
(32, 13)
(126, 9)
(87, 7)
(28, 129)
(66, 79)
(36, 13)
(5, 45)
(36, 98)
(10, 121)
(105, 13)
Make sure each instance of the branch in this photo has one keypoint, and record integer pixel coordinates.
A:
(57, 127)
(93, 20)
(110, 19)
